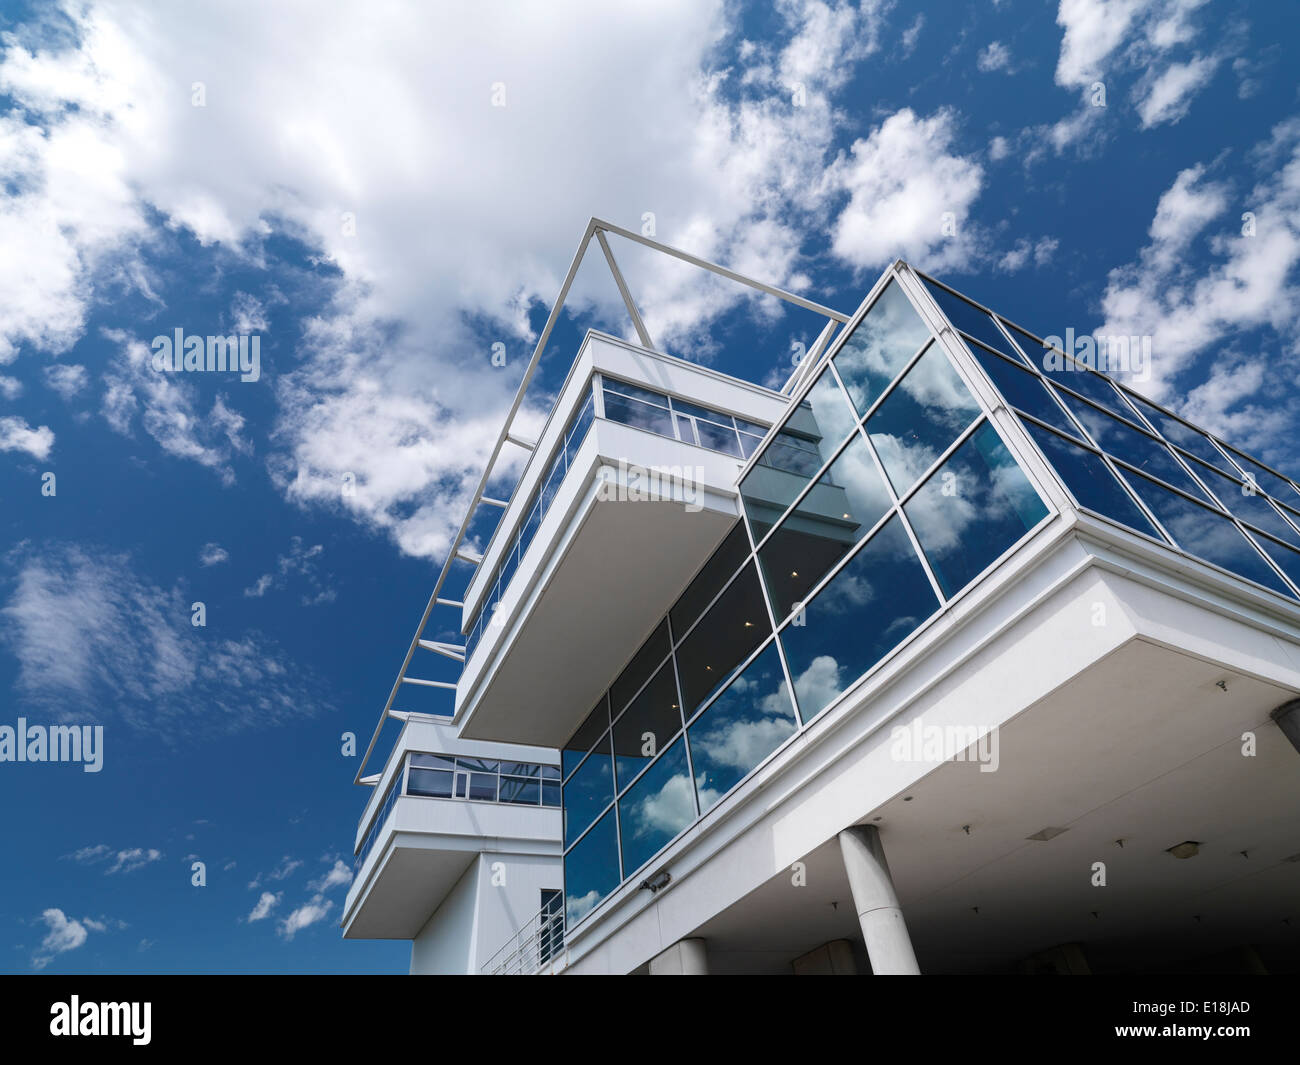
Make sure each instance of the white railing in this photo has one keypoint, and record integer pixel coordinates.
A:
(537, 948)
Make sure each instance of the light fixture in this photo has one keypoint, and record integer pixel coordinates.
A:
(794, 573)
(1189, 848)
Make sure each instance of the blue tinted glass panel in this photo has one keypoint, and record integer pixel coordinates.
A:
(840, 509)
(969, 318)
(1024, 390)
(647, 726)
(926, 411)
(1093, 485)
(1287, 558)
(727, 634)
(656, 808)
(585, 738)
(432, 761)
(588, 791)
(1206, 533)
(591, 870)
(1193, 441)
(974, 507)
(718, 437)
(888, 335)
(521, 792)
(435, 783)
(745, 724)
(1267, 480)
(550, 793)
(638, 671)
(646, 395)
(1092, 386)
(864, 611)
(1247, 503)
(638, 415)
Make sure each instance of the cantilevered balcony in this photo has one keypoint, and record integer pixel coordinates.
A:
(631, 485)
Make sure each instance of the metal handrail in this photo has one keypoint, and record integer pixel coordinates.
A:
(534, 947)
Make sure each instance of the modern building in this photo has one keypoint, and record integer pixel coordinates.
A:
(951, 655)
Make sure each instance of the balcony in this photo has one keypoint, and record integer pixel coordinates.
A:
(442, 802)
(574, 555)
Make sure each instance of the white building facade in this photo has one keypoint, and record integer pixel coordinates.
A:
(953, 655)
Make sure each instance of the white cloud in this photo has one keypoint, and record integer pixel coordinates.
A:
(999, 148)
(10, 387)
(1019, 255)
(1167, 96)
(264, 905)
(339, 875)
(17, 435)
(904, 181)
(306, 915)
(300, 562)
(135, 640)
(1094, 29)
(912, 34)
(213, 554)
(994, 56)
(128, 861)
(284, 869)
(64, 934)
(66, 379)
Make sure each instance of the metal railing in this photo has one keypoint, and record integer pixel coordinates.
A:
(537, 948)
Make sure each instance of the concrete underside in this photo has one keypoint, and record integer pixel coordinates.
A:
(1142, 747)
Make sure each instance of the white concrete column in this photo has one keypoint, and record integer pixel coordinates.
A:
(686, 957)
(888, 945)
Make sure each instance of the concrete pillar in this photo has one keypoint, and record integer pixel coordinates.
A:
(888, 945)
(686, 957)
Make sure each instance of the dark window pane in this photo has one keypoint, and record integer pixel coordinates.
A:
(596, 723)
(1247, 503)
(578, 431)
(836, 513)
(483, 787)
(1093, 485)
(1035, 350)
(478, 765)
(1121, 440)
(588, 791)
(521, 792)
(1090, 385)
(435, 783)
(550, 793)
(550, 772)
(638, 671)
(591, 870)
(1266, 479)
(811, 435)
(1022, 389)
(647, 726)
(866, 610)
(1205, 533)
(432, 761)
(551, 487)
(742, 726)
(926, 411)
(656, 808)
(753, 428)
(726, 635)
(520, 769)
(749, 444)
(972, 509)
(638, 415)
(530, 527)
(635, 392)
(724, 562)
(1287, 558)
(718, 438)
(969, 318)
(682, 407)
(685, 429)
(1190, 440)
(888, 335)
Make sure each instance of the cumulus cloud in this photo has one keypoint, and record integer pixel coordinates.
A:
(264, 905)
(306, 915)
(66, 379)
(17, 435)
(338, 875)
(63, 934)
(213, 554)
(994, 56)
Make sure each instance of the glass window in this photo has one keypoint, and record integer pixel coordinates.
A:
(1247, 503)
(646, 395)
(720, 567)
(972, 509)
(656, 808)
(833, 417)
(434, 783)
(550, 772)
(749, 444)
(520, 769)
(481, 787)
(682, 407)
(1267, 480)
(521, 791)
(840, 509)
(733, 627)
(718, 437)
(588, 791)
(647, 726)
(686, 429)
(969, 318)
(432, 761)
(582, 740)
(638, 671)
(753, 428)
(1287, 558)
(550, 793)
(638, 415)
(1093, 485)
(1193, 441)
(591, 870)
(741, 727)
(1121, 440)
(529, 529)
(888, 335)
(865, 610)
(1092, 386)
(478, 765)
(1024, 390)
(578, 431)
(1200, 531)
(926, 411)
(551, 488)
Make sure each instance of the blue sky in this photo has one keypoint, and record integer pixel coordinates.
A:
(344, 189)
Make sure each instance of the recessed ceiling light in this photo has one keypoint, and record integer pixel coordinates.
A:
(1044, 834)
(1189, 848)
